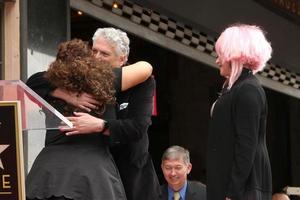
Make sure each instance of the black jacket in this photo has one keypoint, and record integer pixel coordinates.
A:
(237, 158)
(129, 140)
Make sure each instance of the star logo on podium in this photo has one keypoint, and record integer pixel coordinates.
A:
(2, 148)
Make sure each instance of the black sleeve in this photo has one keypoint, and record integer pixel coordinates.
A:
(118, 80)
(248, 107)
(138, 118)
(38, 83)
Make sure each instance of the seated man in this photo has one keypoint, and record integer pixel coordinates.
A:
(176, 166)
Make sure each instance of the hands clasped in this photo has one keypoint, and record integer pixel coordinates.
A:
(83, 123)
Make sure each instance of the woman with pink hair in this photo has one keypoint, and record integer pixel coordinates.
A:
(238, 166)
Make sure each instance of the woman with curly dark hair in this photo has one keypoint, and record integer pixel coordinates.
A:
(76, 167)
(77, 71)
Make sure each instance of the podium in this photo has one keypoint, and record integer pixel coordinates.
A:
(21, 110)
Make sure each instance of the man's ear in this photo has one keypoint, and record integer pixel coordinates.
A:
(189, 168)
(122, 60)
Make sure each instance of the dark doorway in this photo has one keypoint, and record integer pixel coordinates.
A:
(185, 92)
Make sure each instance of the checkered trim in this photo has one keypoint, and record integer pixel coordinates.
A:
(281, 75)
(161, 24)
(186, 35)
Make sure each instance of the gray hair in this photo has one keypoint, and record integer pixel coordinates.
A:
(116, 38)
(176, 153)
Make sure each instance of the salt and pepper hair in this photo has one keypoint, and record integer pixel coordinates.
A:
(176, 153)
(117, 38)
(243, 45)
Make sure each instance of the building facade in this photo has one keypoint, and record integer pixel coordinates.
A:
(179, 41)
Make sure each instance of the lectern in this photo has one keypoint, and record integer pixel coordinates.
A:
(21, 110)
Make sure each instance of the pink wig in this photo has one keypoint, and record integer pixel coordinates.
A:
(243, 46)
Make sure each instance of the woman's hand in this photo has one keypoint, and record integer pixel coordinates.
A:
(83, 123)
(83, 100)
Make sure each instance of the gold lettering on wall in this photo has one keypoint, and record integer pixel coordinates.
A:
(5, 181)
(5, 184)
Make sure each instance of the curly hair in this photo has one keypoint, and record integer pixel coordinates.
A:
(76, 70)
(76, 48)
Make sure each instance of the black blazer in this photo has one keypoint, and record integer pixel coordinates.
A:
(194, 191)
(129, 140)
(237, 158)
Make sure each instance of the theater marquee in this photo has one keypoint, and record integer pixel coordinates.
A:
(11, 152)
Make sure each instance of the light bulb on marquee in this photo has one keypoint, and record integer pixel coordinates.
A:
(115, 5)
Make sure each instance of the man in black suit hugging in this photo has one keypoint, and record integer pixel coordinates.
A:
(176, 166)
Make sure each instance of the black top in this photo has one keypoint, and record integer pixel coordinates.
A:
(238, 164)
(78, 167)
